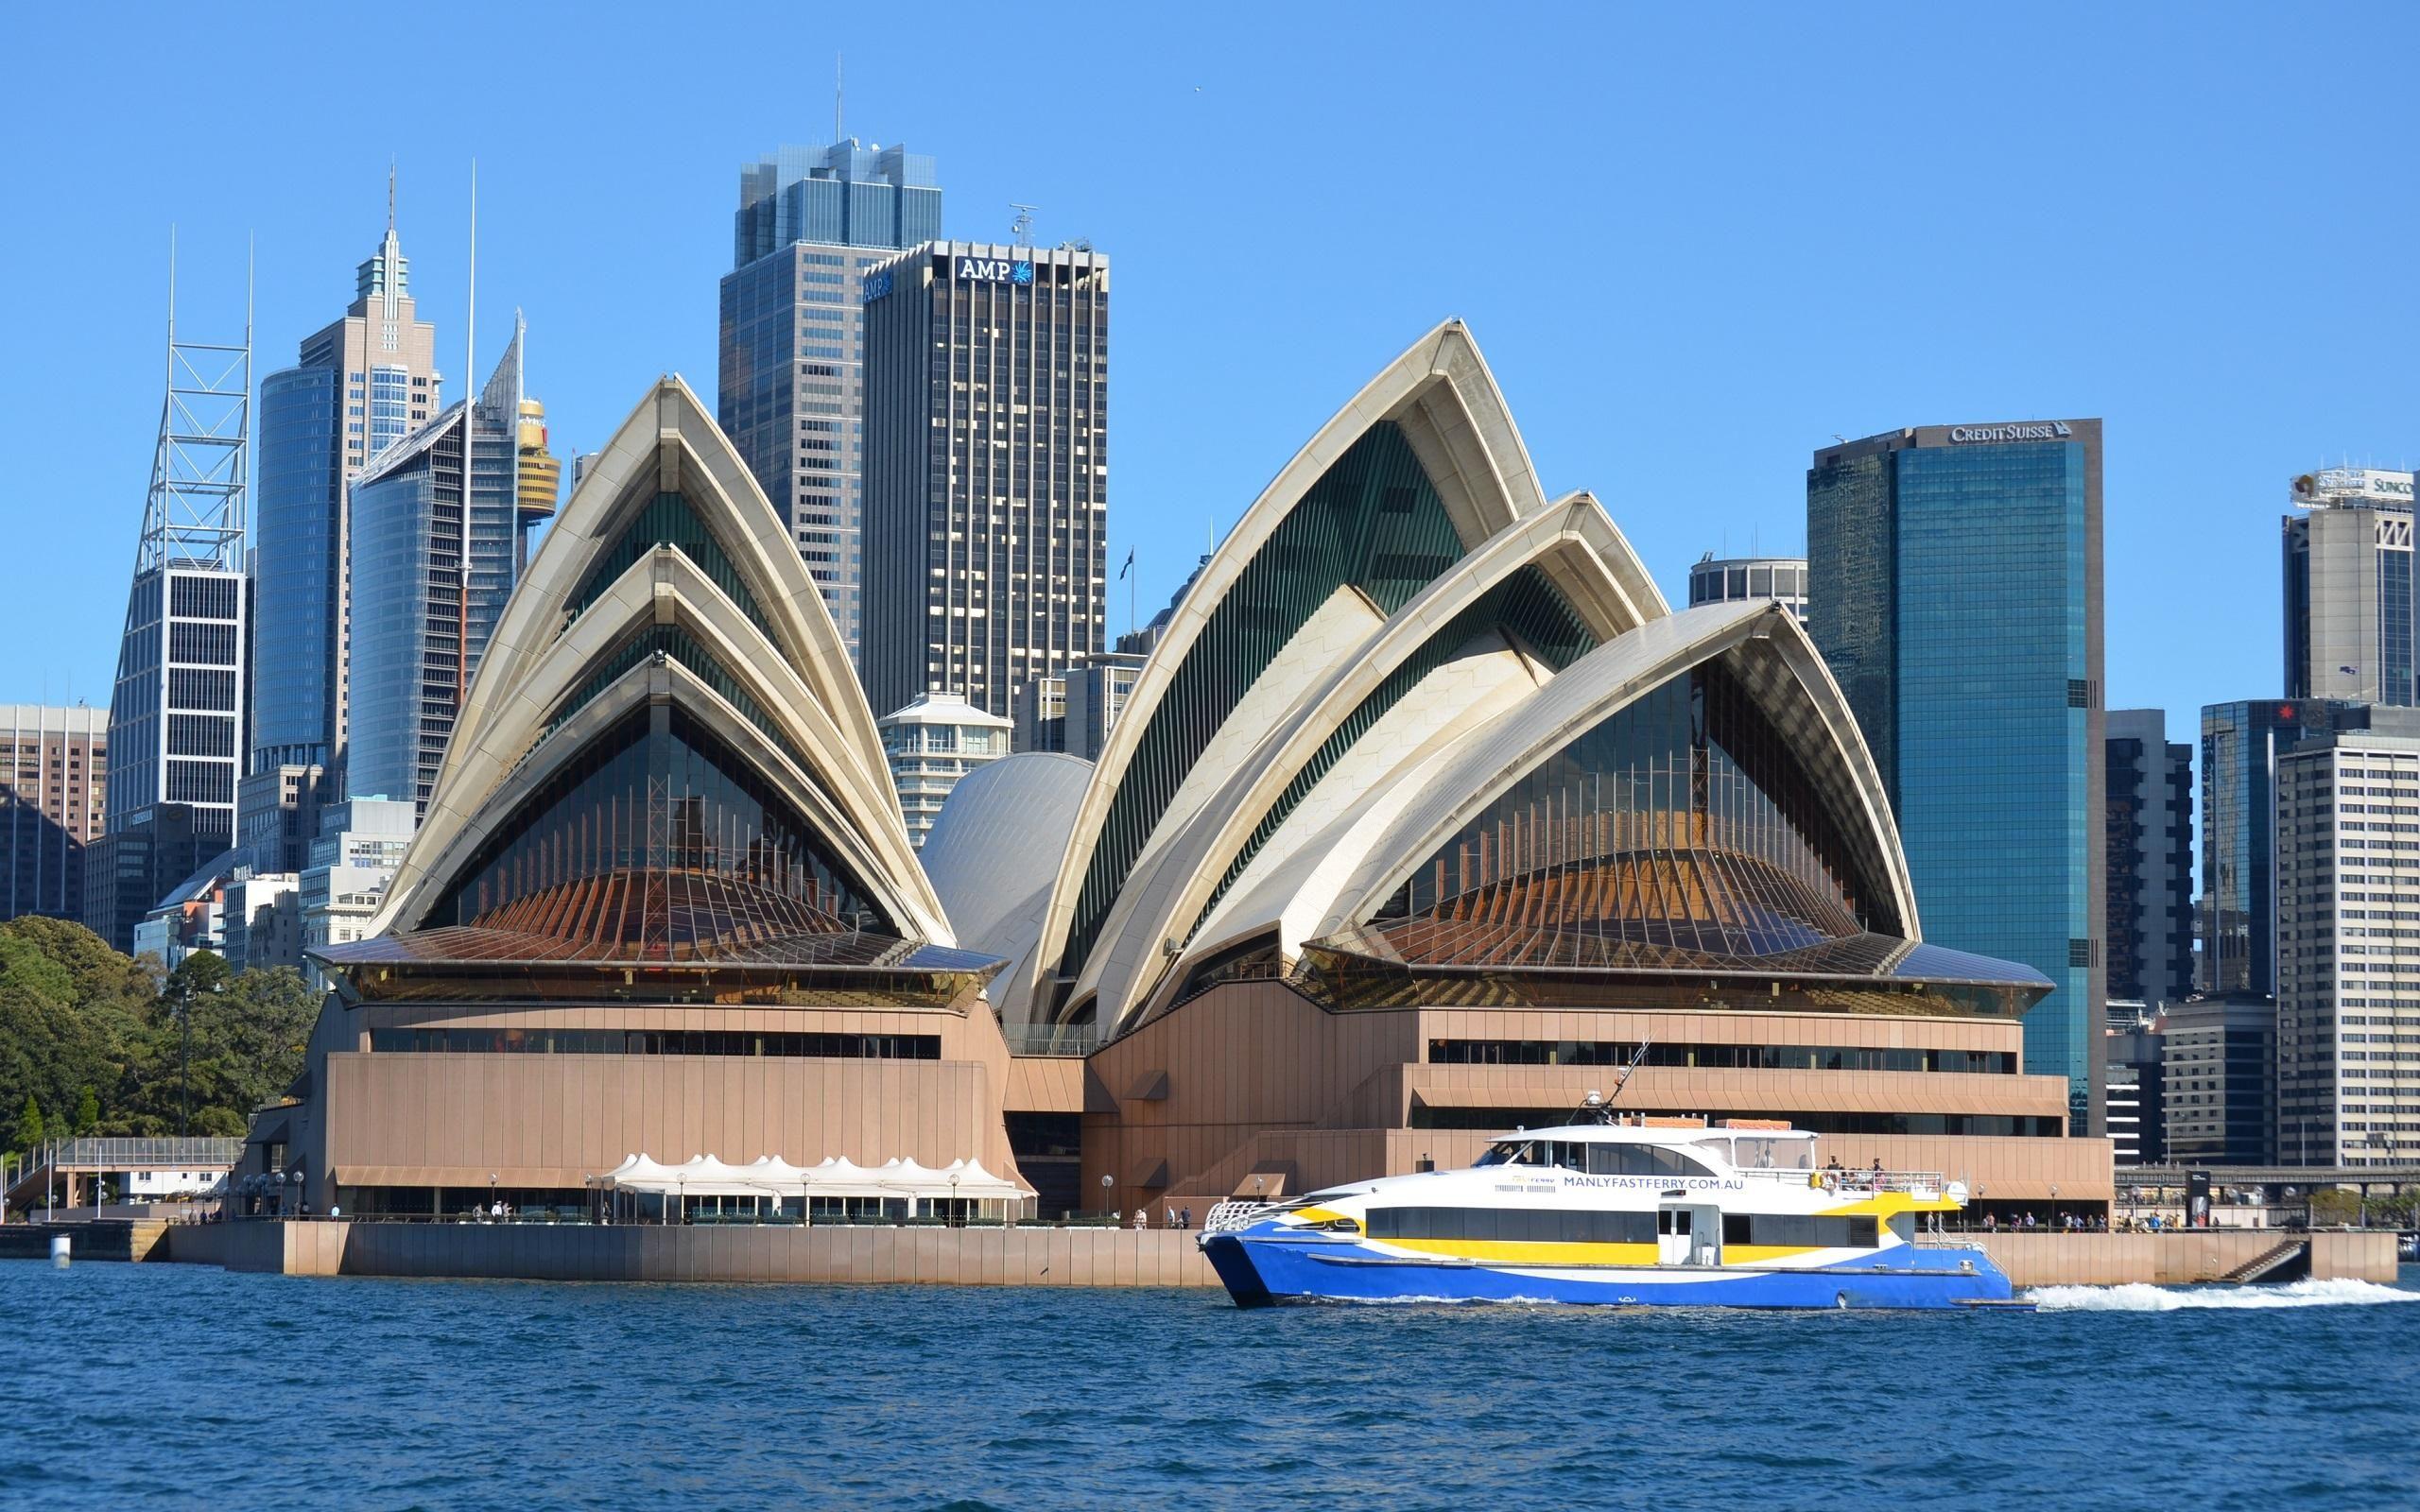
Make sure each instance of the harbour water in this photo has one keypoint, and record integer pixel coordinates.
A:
(187, 1385)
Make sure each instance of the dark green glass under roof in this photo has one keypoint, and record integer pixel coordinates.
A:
(677, 643)
(668, 521)
(1373, 521)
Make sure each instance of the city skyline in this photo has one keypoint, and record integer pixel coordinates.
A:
(1675, 344)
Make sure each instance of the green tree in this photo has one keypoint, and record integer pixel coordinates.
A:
(29, 1124)
(88, 1113)
(56, 1037)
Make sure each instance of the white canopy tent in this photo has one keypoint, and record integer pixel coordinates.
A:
(784, 1189)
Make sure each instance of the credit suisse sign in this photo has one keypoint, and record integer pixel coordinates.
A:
(2048, 430)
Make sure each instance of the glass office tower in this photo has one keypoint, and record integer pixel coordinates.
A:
(1954, 586)
(435, 553)
(358, 385)
(790, 390)
(2240, 744)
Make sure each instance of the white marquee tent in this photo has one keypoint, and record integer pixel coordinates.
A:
(772, 1177)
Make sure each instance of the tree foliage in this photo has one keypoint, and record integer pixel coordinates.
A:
(95, 1041)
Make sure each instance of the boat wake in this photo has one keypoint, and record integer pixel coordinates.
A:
(2138, 1298)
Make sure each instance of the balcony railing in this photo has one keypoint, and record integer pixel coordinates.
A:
(141, 1154)
(1043, 1039)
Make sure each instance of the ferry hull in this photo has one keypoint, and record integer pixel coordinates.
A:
(1261, 1270)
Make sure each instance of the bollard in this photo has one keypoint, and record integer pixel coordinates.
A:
(59, 1247)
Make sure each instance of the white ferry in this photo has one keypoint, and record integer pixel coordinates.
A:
(1639, 1211)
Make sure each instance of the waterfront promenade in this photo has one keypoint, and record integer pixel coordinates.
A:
(1041, 1256)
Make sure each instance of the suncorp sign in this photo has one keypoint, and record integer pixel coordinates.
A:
(2048, 430)
(996, 270)
(2353, 485)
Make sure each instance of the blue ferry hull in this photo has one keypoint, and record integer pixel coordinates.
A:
(1263, 1269)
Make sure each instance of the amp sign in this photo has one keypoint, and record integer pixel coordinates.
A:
(996, 270)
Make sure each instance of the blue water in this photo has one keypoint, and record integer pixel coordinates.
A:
(185, 1385)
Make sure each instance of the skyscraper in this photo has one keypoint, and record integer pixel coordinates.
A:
(1954, 579)
(53, 796)
(2350, 632)
(789, 391)
(177, 708)
(437, 534)
(2149, 838)
(987, 469)
(359, 385)
(2348, 973)
(2240, 744)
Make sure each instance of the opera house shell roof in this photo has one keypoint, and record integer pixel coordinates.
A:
(663, 761)
(1417, 728)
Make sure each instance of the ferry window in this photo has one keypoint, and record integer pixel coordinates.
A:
(1510, 1152)
(1604, 1160)
(1567, 1153)
(1861, 1232)
(1752, 1154)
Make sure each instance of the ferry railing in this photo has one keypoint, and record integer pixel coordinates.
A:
(1928, 1183)
(1236, 1214)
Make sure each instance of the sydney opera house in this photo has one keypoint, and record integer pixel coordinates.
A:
(1426, 814)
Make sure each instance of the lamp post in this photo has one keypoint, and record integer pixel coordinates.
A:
(492, 1203)
(2054, 1207)
(956, 1218)
(295, 1176)
(1107, 1183)
(184, 1053)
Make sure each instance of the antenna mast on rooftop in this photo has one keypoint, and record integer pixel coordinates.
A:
(1021, 228)
(194, 514)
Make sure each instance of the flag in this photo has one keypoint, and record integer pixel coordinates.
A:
(1130, 563)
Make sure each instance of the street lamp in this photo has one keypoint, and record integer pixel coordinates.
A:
(184, 1054)
(956, 1216)
(1107, 1183)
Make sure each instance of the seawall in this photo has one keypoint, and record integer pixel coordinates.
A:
(2181, 1257)
(1057, 1257)
(109, 1239)
(817, 1256)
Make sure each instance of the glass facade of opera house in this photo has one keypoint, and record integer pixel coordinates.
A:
(1428, 817)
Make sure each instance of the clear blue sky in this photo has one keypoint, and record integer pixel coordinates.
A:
(1695, 244)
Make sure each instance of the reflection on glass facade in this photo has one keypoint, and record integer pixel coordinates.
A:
(1851, 612)
(1954, 587)
(691, 843)
(2240, 744)
(432, 569)
(1679, 829)
(296, 495)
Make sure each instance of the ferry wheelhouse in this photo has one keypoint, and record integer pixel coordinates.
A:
(1642, 1211)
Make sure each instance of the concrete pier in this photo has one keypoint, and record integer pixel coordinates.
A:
(836, 1255)
(1059, 1257)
